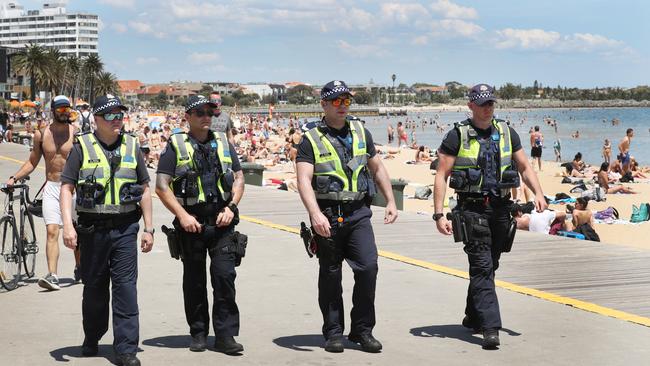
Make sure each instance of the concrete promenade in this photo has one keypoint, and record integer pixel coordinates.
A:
(420, 299)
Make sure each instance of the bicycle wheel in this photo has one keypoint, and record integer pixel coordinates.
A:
(10, 260)
(30, 247)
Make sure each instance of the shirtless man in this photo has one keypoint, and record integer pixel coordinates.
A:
(624, 149)
(401, 135)
(53, 143)
(536, 143)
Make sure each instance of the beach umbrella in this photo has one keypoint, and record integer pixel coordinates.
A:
(28, 103)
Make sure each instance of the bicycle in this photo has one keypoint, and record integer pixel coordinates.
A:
(18, 246)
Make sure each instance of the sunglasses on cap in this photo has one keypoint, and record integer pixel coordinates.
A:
(113, 116)
(63, 109)
(203, 113)
(337, 102)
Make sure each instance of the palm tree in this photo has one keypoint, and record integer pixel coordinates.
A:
(54, 73)
(32, 61)
(106, 84)
(71, 76)
(92, 66)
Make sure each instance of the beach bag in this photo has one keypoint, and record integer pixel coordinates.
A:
(561, 196)
(566, 180)
(588, 232)
(641, 213)
(578, 189)
(608, 213)
(423, 193)
(626, 178)
(36, 206)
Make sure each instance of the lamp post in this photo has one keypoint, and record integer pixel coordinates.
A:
(393, 77)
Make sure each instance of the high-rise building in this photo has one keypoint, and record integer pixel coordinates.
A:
(52, 27)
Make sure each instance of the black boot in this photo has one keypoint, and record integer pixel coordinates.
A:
(491, 338)
(468, 323)
(367, 341)
(228, 345)
(334, 344)
(199, 343)
(127, 359)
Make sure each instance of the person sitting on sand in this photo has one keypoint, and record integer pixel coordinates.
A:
(603, 182)
(580, 214)
(422, 155)
(637, 172)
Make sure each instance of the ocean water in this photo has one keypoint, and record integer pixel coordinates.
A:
(594, 125)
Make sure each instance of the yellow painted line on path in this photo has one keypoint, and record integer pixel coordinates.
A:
(578, 304)
(17, 161)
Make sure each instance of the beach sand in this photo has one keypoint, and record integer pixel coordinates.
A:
(632, 235)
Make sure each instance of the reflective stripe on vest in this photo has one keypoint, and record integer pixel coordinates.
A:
(469, 148)
(185, 163)
(95, 164)
(327, 162)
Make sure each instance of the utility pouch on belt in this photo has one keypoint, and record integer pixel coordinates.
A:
(84, 230)
(458, 179)
(476, 228)
(322, 184)
(173, 242)
(235, 242)
(512, 230)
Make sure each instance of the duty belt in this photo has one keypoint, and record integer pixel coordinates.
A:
(483, 200)
(343, 208)
(110, 222)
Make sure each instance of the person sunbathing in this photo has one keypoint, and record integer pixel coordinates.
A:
(604, 181)
(422, 155)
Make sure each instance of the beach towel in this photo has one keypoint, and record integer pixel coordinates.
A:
(640, 213)
(571, 234)
(588, 232)
(566, 200)
(608, 213)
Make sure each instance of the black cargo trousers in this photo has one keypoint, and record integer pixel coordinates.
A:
(489, 224)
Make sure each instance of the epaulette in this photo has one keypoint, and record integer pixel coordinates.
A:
(462, 123)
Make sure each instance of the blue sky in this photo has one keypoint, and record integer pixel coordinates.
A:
(571, 43)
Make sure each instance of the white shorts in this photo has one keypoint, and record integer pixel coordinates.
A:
(51, 203)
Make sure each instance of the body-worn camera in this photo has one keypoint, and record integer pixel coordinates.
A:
(190, 184)
(88, 192)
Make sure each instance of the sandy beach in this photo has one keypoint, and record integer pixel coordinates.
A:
(632, 235)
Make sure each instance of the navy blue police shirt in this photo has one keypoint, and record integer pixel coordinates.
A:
(306, 152)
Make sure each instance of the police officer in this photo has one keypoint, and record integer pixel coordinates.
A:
(336, 164)
(200, 181)
(109, 175)
(483, 157)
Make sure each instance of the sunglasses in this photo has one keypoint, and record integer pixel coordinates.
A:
(63, 109)
(346, 101)
(489, 103)
(113, 116)
(203, 113)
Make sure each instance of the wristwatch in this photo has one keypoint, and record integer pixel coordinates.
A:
(150, 231)
(233, 207)
(438, 216)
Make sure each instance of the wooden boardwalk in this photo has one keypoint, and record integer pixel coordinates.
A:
(607, 275)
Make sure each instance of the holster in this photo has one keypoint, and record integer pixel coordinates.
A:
(471, 228)
(174, 242)
(308, 240)
(82, 231)
(328, 248)
(512, 231)
(234, 243)
(457, 226)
